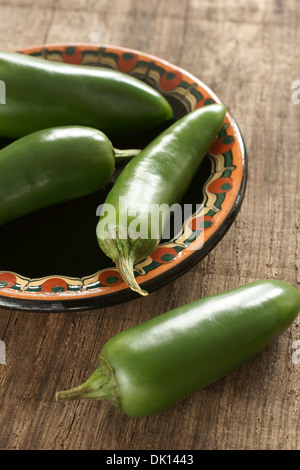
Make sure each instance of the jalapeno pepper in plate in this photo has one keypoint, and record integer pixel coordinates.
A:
(52, 166)
(149, 367)
(159, 175)
(43, 93)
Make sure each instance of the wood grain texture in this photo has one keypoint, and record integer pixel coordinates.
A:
(248, 53)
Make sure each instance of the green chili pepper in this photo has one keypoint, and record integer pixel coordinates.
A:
(52, 166)
(146, 369)
(43, 93)
(156, 178)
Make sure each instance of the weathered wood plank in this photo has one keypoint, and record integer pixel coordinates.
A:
(248, 53)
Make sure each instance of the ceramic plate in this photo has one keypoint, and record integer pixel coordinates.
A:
(50, 260)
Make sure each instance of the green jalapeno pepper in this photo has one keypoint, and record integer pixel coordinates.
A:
(52, 166)
(43, 93)
(147, 368)
(157, 178)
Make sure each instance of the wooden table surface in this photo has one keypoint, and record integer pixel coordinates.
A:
(248, 53)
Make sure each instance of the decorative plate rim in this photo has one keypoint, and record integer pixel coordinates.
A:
(58, 293)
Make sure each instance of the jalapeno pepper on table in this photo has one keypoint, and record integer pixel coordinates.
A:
(43, 93)
(52, 166)
(159, 175)
(149, 367)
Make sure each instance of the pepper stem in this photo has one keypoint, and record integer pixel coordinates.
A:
(101, 385)
(125, 267)
(125, 252)
(126, 154)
